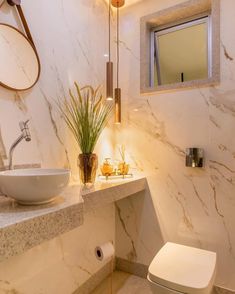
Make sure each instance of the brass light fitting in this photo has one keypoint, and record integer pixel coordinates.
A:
(109, 80)
(118, 3)
(118, 110)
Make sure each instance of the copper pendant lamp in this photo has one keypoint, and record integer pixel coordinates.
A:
(109, 65)
(118, 4)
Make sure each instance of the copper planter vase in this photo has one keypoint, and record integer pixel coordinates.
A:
(88, 164)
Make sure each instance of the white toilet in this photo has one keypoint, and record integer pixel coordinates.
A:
(178, 269)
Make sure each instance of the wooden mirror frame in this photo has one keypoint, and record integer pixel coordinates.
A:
(36, 54)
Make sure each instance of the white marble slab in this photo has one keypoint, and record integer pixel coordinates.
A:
(105, 192)
(194, 207)
(72, 47)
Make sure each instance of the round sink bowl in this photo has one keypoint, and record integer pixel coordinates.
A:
(34, 186)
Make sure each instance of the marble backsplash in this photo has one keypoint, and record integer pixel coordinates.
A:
(62, 265)
(189, 206)
(71, 39)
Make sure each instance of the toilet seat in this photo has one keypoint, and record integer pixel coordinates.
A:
(183, 269)
(161, 289)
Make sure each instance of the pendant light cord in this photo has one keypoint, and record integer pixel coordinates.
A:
(109, 30)
(118, 57)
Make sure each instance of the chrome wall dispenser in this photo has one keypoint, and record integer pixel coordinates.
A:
(194, 157)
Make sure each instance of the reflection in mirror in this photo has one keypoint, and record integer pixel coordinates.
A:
(20, 67)
(181, 52)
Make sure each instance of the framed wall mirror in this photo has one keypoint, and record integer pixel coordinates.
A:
(180, 47)
(19, 62)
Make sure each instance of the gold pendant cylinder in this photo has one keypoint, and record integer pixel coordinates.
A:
(109, 80)
(118, 106)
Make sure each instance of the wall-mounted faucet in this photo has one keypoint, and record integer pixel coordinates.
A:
(25, 134)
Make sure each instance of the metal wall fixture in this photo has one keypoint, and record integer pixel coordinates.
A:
(194, 157)
(118, 4)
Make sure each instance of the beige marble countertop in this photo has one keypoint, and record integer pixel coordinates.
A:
(23, 227)
(105, 192)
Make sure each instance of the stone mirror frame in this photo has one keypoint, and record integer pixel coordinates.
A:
(179, 13)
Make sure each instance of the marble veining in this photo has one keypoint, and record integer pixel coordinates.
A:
(132, 255)
(55, 128)
(194, 207)
(71, 48)
(189, 206)
(226, 54)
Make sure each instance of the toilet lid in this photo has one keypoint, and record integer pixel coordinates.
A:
(184, 269)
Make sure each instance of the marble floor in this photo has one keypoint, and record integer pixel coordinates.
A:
(123, 283)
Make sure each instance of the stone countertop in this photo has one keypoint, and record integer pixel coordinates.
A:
(105, 192)
(23, 227)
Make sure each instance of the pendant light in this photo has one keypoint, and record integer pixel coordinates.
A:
(109, 65)
(118, 4)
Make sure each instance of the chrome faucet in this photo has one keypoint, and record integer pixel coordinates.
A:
(25, 134)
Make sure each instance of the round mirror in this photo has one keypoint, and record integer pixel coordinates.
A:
(19, 62)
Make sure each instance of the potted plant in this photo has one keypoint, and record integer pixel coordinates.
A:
(86, 113)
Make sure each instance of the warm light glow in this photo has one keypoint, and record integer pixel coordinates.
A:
(118, 106)
(109, 99)
(129, 2)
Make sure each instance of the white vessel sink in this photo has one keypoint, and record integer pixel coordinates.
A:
(33, 186)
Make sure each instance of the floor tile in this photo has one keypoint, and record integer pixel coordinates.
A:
(123, 283)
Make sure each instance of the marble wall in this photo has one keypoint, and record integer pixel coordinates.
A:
(191, 206)
(62, 265)
(71, 39)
